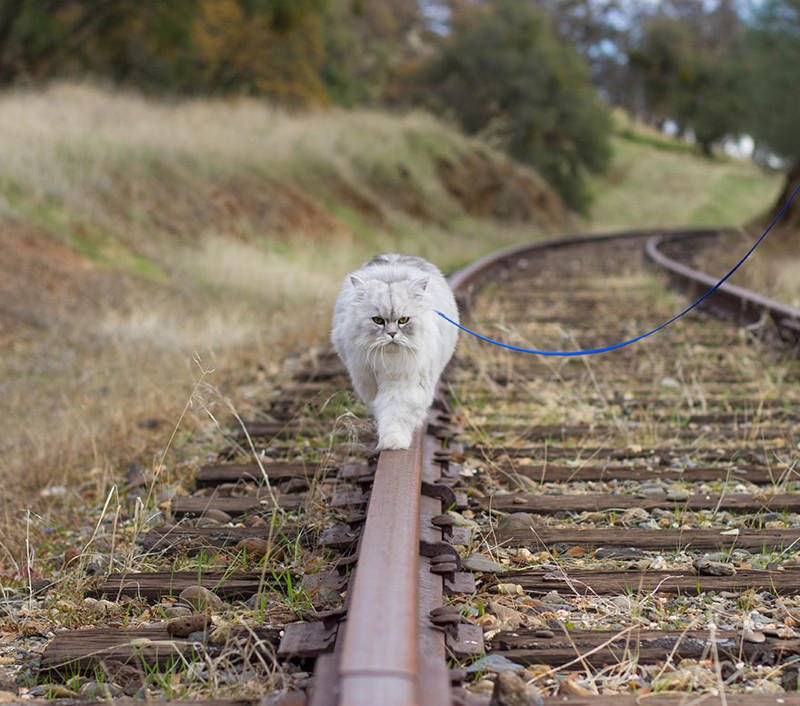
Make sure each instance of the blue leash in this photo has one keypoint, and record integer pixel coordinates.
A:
(613, 347)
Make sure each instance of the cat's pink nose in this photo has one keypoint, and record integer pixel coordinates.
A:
(392, 333)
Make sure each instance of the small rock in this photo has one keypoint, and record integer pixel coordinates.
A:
(254, 547)
(96, 691)
(177, 611)
(525, 554)
(54, 491)
(510, 618)
(295, 485)
(553, 599)
(511, 690)
(259, 601)
(515, 522)
(462, 521)
(509, 589)
(478, 562)
(218, 516)
(57, 691)
(494, 662)
(622, 602)
(487, 621)
(185, 626)
(750, 634)
(200, 598)
(102, 607)
(571, 687)
(706, 567)
(484, 686)
(677, 495)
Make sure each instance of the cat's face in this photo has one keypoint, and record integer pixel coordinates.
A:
(389, 314)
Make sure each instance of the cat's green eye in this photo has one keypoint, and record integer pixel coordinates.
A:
(402, 320)
(378, 320)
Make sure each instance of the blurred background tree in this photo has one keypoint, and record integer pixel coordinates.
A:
(686, 65)
(504, 74)
(774, 84)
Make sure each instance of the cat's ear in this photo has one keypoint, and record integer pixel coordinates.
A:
(358, 286)
(418, 286)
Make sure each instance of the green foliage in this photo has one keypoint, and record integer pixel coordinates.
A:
(267, 47)
(774, 43)
(366, 45)
(690, 74)
(505, 75)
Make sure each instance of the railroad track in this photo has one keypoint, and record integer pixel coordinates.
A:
(624, 524)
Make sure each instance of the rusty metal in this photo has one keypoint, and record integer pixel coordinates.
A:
(379, 659)
(742, 304)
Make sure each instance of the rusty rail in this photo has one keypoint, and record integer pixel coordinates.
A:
(729, 300)
(379, 661)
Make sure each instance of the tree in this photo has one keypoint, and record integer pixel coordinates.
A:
(37, 35)
(687, 66)
(266, 47)
(774, 43)
(367, 45)
(504, 74)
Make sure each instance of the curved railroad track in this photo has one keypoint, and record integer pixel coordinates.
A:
(579, 518)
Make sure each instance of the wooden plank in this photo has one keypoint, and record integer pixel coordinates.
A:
(646, 646)
(655, 540)
(554, 473)
(73, 651)
(218, 473)
(654, 699)
(194, 540)
(719, 453)
(258, 502)
(634, 582)
(717, 424)
(595, 502)
(234, 585)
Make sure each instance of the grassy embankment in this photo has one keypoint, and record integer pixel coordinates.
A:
(144, 243)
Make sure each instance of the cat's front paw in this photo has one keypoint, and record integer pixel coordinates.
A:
(394, 441)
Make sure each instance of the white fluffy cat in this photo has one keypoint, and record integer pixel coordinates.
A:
(393, 343)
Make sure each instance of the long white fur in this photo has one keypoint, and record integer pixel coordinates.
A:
(395, 366)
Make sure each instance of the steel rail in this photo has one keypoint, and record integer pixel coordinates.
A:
(742, 304)
(379, 661)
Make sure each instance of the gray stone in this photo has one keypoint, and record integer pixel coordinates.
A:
(494, 662)
(478, 562)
